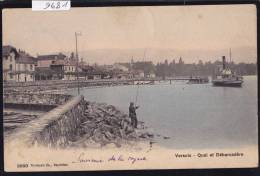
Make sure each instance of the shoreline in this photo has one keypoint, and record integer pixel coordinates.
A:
(63, 85)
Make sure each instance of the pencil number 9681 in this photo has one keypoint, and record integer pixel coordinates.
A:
(56, 5)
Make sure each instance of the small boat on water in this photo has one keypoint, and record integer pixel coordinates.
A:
(227, 77)
(143, 82)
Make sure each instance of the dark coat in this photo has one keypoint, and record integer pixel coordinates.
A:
(132, 110)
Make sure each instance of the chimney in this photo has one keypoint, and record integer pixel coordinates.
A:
(224, 62)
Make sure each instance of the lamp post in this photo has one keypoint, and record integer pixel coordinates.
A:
(77, 71)
(230, 55)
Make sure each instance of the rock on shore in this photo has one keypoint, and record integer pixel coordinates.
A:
(104, 125)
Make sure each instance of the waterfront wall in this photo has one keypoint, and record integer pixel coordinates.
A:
(86, 82)
(62, 82)
(43, 86)
(55, 128)
(35, 99)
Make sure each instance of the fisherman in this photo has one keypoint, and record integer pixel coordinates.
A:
(132, 114)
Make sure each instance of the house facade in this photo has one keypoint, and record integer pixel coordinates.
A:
(9, 57)
(25, 68)
(70, 70)
(57, 68)
(50, 66)
(18, 66)
(138, 74)
(47, 60)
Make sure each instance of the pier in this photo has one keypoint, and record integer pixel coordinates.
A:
(59, 84)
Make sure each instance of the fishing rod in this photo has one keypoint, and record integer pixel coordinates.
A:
(137, 92)
(138, 85)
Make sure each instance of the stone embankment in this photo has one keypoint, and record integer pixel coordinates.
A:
(54, 128)
(42, 86)
(21, 108)
(78, 123)
(33, 98)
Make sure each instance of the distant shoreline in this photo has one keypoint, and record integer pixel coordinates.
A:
(62, 85)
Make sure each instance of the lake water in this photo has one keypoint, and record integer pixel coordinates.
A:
(192, 115)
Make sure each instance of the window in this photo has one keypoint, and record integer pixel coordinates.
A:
(11, 76)
(11, 59)
(25, 67)
(11, 67)
(31, 67)
(31, 76)
(18, 67)
(6, 58)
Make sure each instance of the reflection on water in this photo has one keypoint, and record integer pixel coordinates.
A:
(193, 116)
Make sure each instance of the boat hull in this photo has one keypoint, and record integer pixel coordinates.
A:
(227, 83)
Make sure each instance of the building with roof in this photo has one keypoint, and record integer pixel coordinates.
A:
(65, 69)
(47, 60)
(50, 66)
(25, 67)
(70, 70)
(57, 67)
(138, 74)
(18, 66)
(9, 57)
(92, 72)
(43, 73)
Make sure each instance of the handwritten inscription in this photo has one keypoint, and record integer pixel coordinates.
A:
(50, 5)
(134, 159)
(82, 158)
(131, 159)
(116, 158)
(56, 4)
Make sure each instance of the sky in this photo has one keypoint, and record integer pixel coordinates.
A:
(156, 33)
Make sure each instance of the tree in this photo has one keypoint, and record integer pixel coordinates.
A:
(72, 56)
(181, 61)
